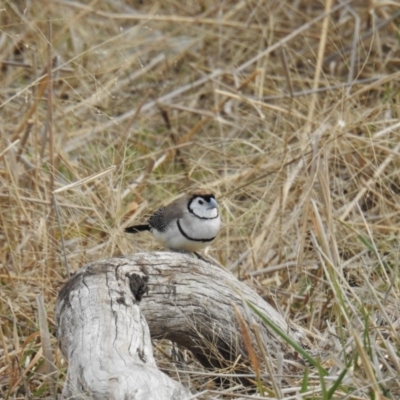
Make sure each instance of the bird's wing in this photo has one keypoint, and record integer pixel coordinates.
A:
(163, 217)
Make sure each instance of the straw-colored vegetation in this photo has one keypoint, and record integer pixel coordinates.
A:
(288, 110)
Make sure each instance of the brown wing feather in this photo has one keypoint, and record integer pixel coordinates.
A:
(162, 217)
(176, 209)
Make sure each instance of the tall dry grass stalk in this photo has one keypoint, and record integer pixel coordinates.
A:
(287, 110)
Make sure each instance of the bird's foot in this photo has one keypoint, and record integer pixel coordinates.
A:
(201, 257)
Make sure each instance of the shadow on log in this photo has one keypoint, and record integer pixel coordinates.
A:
(105, 312)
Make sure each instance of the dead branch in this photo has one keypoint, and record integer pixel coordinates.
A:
(105, 337)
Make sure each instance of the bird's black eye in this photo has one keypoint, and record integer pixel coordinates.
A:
(201, 202)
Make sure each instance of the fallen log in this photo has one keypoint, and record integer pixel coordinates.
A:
(106, 312)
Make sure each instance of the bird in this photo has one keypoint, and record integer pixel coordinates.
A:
(188, 224)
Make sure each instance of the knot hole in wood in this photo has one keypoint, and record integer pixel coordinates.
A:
(138, 283)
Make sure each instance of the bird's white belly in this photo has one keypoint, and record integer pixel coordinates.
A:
(200, 229)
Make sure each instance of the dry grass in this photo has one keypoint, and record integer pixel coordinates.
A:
(290, 116)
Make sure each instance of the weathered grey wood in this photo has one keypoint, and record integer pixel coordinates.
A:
(191, 302)
(105, 338)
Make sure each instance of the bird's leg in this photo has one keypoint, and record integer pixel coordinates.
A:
(197, 255)
(201, 257)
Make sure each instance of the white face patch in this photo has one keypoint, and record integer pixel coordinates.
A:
(204, 207)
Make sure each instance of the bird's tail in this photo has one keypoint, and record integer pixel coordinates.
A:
(137, 228)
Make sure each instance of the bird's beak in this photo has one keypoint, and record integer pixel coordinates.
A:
(213, 204)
